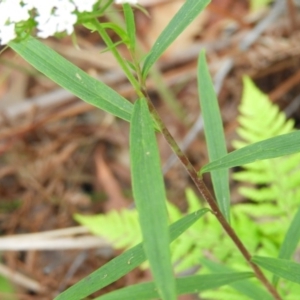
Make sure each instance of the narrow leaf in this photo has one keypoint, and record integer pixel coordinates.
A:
(124, 263)
(73, 79)
(290, 241)
(245, 287)
(280, 267)
(284, 144)
(214, 134)
(150, 199)
(187, 13)
(185, 285)
(108, 25)
(130, 24)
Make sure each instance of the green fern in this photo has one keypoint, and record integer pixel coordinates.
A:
(274, 193)
(122, 230)
(279, 194)
(261, 222)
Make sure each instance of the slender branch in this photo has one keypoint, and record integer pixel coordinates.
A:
(202, 188)
(205, 193)
(106, 38)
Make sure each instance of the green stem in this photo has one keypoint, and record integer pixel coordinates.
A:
(202, 188)
(160, 86)
(94, 14)
(106, 38)
(205, 193)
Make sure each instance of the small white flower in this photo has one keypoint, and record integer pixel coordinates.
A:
(17, 13)
(7, 33)
(66, 23)
(41, 7)
(30, 4)
(126, 1)
(86, 5)
(50, 16)
(47, 26)
(64, 7)
(3, 17)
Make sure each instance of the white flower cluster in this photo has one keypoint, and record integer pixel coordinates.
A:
(51, 16)
(126, 1)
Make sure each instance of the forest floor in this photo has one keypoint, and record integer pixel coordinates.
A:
(60, 156)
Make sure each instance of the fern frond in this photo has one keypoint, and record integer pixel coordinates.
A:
(260, 119)
(272, 186)
(122, 230)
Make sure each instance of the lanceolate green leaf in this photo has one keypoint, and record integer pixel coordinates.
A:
(124, 263)
(187, 13)
(73, 79)
(130, 25)
(280, 267)
(291, 241)
(149, 196)
(186, 285)
(274, 147)
(245, 287)
(214, 134)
